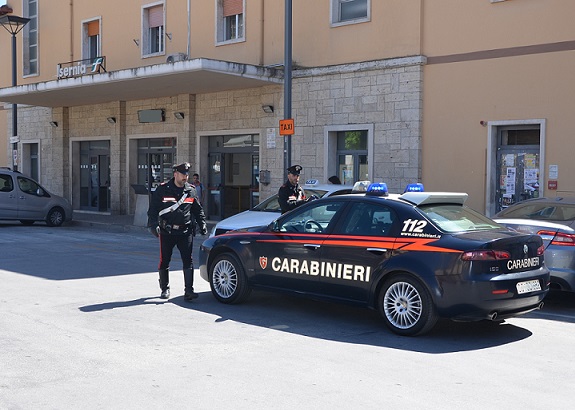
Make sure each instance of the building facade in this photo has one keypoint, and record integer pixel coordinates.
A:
(111, 94)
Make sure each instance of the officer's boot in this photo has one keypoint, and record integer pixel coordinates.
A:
(189, 293)
(165, 283)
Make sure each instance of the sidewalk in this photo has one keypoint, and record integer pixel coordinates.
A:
(116, 223)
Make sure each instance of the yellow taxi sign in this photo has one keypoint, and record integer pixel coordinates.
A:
(287, 127)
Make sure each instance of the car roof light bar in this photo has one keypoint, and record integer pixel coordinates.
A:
(425, 198)
(416, 187)
(377, 189)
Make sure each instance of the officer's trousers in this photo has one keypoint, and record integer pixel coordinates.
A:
(184, 243)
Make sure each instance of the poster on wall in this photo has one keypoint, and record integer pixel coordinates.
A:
(271, 138)
(510, 183)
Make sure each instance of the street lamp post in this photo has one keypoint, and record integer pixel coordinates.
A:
(13, 24)
(287, 79)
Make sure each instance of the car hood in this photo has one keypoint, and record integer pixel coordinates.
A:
(248, 219)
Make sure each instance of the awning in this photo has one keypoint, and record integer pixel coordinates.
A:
(197, 76)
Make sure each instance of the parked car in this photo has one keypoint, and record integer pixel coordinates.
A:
(268, 210)
(414, 257)
(554, 220)
(25, 200)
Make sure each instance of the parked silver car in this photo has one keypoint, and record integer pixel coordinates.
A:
(25, 200)
(554, 220)
(269, 210)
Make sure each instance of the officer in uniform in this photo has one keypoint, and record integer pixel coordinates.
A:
(290, 194)
(173, 207)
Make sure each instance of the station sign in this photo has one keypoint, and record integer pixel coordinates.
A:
(80, 68)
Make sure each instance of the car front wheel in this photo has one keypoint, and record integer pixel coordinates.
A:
(406, 306)
(228, 279)
(55, 217)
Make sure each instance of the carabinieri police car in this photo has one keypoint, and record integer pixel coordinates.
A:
(415, 257)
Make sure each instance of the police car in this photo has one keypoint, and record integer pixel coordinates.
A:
(269, 209)
(415, 257)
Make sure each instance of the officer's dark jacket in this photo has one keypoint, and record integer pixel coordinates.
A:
(166, 195)
(290, 196)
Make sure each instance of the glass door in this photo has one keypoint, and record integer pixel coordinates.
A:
(95, 176)
(215, 186)
(517, 176)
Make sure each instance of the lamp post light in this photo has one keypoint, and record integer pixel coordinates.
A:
(13, 24)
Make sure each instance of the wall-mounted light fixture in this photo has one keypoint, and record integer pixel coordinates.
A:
(136, 42)
(53, 124)
(111, 120)
(179, 115)
(169, 35)
(268, 109)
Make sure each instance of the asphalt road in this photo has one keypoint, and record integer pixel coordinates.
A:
(82, 327)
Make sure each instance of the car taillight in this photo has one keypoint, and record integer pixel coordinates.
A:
(485, 255)
(541, 250)
(559, 238)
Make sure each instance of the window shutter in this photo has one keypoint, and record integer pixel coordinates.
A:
(155, 16)
(233, 7)
(93, 28)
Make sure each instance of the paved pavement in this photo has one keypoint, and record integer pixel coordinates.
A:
(115, 223)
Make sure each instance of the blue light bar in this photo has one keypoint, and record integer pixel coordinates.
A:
(416, 187)
(377, 189)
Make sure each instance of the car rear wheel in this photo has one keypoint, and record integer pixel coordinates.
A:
(228, 279)
(406, 306)
(55, 217)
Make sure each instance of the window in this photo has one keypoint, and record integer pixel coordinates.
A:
(6, 183)
(91, 40)
(350, 153)
(314, 219)
(30, 38)
(350, 11)
(153, 30)
(230, 25)
(30, 187)
(368, 219)
(352, 156)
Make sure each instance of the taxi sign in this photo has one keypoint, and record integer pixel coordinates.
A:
(287, 127)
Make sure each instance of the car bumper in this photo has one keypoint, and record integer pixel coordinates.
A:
(492, 297)
(202, 262)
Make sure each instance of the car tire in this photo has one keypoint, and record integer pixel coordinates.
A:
(26, 222)
(228, 280)
(55, 217)
(406, 306)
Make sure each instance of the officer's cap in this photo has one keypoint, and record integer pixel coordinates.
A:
(183, 168)
(295, 169)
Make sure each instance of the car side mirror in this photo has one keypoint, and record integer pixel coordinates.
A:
(274, 227)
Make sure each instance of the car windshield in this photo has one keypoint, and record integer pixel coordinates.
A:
(456, 218)
(271, 204)
(541, 211)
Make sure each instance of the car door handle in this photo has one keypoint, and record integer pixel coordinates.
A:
(245, 242)
(311, 246)
(377, 251)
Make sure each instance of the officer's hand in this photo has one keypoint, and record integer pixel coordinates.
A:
(313, 198)
(204, 232)
(155, 230)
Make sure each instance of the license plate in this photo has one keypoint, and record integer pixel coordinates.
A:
(528, 286)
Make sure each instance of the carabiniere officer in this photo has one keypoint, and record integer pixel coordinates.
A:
(291, 194)
(172, 207)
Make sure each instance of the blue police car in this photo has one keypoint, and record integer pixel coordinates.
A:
(415, 257)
